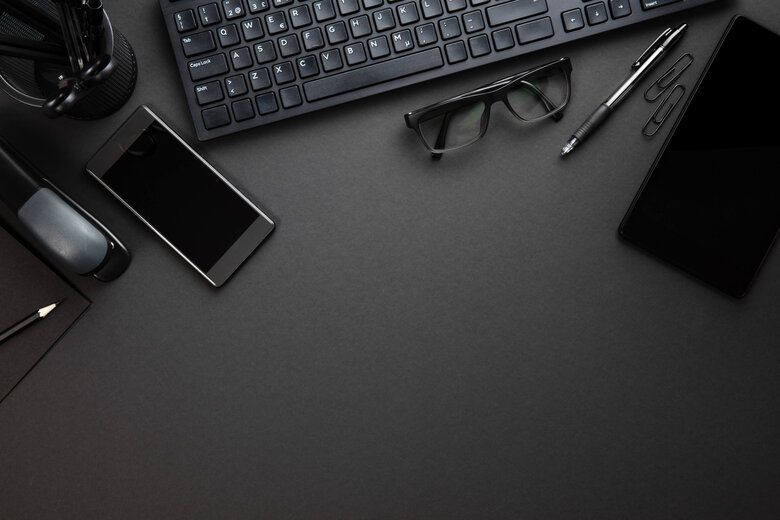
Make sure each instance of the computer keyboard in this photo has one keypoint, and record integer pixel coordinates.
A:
(246, 63)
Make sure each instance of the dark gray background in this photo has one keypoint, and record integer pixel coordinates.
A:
(418, 340)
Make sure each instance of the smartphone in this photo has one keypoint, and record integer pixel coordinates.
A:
(180, 196)
(711, 202)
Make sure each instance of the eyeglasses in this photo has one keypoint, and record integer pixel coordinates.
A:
(456, 122)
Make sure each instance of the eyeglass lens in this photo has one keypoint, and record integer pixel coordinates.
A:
(539, 94)
(533, 97)
(455, 128)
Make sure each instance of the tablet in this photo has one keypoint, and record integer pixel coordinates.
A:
(711, 202)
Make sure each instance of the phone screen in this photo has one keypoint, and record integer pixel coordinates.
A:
(180, 196)
(711, 205)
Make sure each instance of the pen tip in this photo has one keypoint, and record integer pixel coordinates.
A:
(568, 147)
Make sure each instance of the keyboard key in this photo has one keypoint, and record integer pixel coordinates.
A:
(233, 8)
(252, 29)
(312, 39)
(337, 32)
(323, 10)
(456, 52)
(241, 58)
(475, 3)
(288, 46)
(215, 117)
(402, 40)
(426, 34)
(299, 16)
(209, 15)
(479, 45)
(473, 22)
(514, 10)
(198, 43)
(283, 73)
(307, 67)
(370, 4)
(291, 97)
(455, 5)
(266, 103)
(378, 47)
(652, 4)
(257, 6)
(331, 60)
(503, 39)
(355, 53)
(264, 52)
(348, 6)
(242, 110)
(373, 74)
(360, 26)
(537, 30)
(235, 85)
(276, 23)
(619, 8)
(596, 13)
(185, 20)
(407, 13)
(572, 20)
(431, 8)
(259, 79)
(281, 3)
(228, 35)
(383, 19)
(207, 67)
(209, 93)
(449, 28)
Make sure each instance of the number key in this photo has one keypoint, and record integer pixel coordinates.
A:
(255, 6)
(233, 8)
(209, 14)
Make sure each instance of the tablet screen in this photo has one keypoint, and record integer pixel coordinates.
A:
(711, 205)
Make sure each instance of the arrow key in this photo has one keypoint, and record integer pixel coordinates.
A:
(596, 13)
(619, 8)
(572, 20)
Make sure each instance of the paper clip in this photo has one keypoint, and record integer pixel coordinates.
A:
(668, 78)
(661, 114)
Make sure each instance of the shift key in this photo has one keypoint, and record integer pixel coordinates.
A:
(207, 67)
(515, 10)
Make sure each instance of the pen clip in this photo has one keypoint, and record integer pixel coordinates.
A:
(652, 48)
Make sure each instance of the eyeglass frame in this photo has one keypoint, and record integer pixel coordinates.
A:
(490, 94)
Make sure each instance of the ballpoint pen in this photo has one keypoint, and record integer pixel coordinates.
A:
(649, 59)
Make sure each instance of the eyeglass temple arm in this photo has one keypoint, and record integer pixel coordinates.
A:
(441, 139)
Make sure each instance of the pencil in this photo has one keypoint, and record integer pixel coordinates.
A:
(26, 322)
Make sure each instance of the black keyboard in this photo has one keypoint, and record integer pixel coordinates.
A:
(246, 63)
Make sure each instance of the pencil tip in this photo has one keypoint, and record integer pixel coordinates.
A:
(46, 310)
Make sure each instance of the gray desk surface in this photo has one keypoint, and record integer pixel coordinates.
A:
(418, 340)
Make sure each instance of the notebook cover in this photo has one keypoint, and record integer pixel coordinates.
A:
(26, 285)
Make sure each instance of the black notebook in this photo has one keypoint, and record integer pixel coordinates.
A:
(26, 285)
